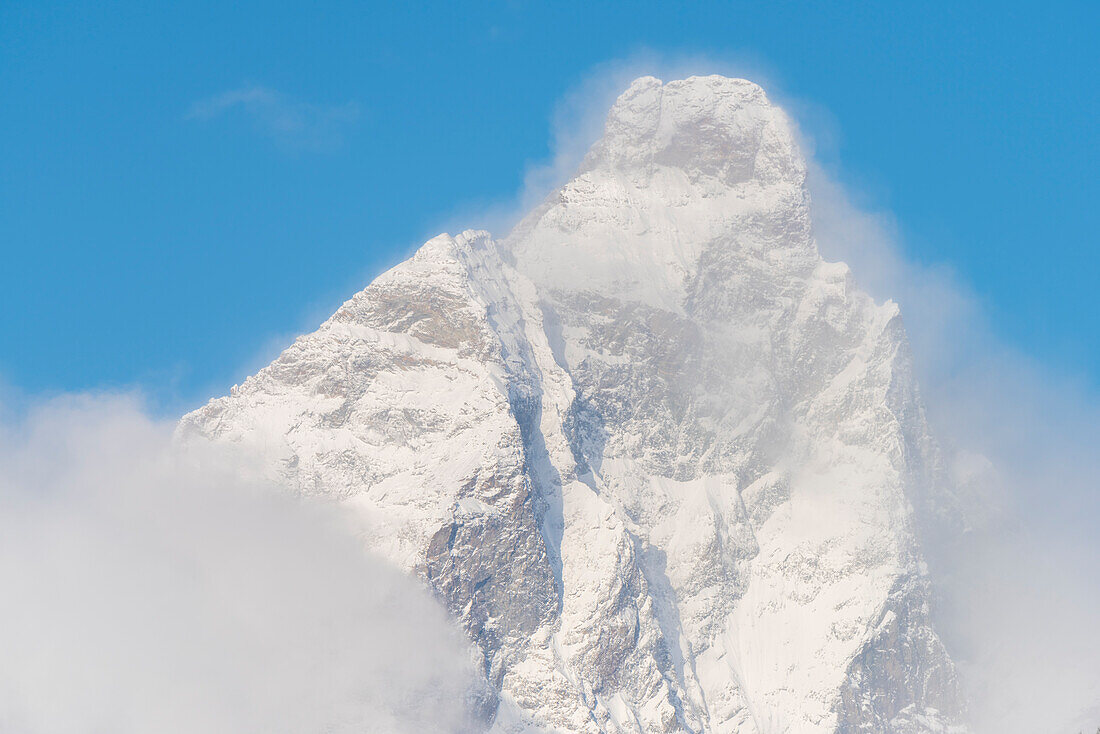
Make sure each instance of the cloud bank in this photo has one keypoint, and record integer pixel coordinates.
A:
(154, 588)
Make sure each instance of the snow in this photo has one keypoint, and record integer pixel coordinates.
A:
(666, 464)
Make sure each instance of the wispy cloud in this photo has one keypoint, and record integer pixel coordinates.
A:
(1019, 594)
(286, 120)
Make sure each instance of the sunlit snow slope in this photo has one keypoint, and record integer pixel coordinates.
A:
(667, 466)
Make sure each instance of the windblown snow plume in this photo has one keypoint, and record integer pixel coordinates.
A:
(151, 588)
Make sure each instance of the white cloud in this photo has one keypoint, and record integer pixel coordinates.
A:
(286, 120)
(151, 588)
(1020, 594)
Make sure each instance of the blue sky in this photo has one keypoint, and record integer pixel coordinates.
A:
(182, 188)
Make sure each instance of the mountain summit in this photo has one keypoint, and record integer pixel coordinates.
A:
(667, 466)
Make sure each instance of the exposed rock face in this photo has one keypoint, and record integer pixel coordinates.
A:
(666, 464)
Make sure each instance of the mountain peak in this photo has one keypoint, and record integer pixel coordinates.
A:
(712, 126)
(687, 175)
(660, 460)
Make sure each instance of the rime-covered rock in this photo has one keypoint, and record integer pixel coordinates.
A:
(667, 466)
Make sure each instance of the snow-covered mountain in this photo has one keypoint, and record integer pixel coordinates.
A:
(668, 466)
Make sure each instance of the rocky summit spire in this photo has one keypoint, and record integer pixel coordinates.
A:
(685, 174)
(661, 461)
(708, 127)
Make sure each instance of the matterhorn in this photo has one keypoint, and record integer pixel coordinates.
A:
(667, 467)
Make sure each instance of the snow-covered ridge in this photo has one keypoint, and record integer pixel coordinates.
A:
(667, 465)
